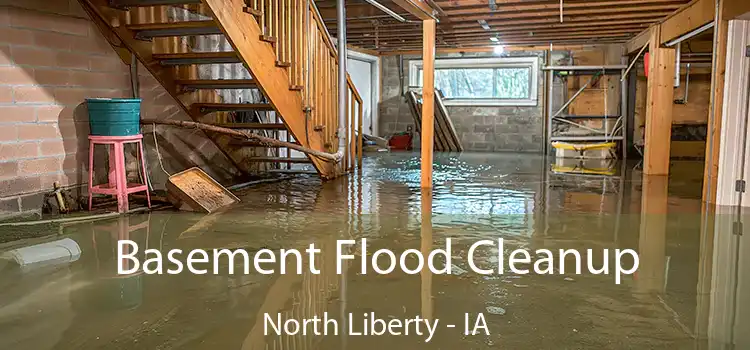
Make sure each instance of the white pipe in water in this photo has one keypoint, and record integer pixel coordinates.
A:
(63, 251)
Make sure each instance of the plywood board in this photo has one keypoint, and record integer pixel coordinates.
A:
(696, 110)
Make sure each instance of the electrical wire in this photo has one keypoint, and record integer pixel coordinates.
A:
(158, 154)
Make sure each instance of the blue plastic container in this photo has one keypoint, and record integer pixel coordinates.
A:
(114, 116)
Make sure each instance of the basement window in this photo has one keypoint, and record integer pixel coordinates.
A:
(497, 81)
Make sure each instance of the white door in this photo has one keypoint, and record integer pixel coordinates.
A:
(361, 74)
(734, 149)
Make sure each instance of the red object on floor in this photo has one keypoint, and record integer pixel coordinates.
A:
(400, 142)
(646, 59)
(118, 182)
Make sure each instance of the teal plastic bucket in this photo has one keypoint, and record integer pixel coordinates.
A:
(114, 116)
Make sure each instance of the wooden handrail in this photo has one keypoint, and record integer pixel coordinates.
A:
(353, 89)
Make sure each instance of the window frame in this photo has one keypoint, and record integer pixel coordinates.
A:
(493, 62)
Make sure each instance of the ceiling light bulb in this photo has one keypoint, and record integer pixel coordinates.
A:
(498, 50)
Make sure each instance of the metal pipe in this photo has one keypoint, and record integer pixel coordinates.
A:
(690, 35)
(343, 88)
(678, 56)
(687, 83)
(388, 11)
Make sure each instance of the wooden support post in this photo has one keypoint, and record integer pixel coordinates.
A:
(428, 100)
(704, 290)
(659, 102)
(426, 240)
(716, 114)
(652, 238)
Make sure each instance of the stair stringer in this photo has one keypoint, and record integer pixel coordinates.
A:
(259, 57)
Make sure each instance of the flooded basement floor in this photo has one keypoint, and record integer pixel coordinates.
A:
(690, 291)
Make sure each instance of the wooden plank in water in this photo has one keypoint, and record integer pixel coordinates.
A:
(194, 190)
(446, 120)
(446, 138)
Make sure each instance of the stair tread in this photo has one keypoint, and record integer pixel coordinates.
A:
(258, 126)
(234, 106)
(147, 3)
(218, 83)
(171, 29)
(188, 58)
(280, 159)
(213, 54)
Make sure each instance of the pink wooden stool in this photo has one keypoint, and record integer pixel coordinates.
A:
(118, 182)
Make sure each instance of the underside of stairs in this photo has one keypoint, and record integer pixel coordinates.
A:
(263, 66)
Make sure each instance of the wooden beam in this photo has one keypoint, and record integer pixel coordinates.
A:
(428, 100)
(688, 18)
(616, 5)
(503, 36)
(426, 247)
(638, 42)
(536, 5)
(659, 102)
(418, 8)
(589, 14)
(592, 32)
(467, 44)
(734, 8)
(652, 235)
(716, 109)
(484, 49)
(642, 22)
(362, 50)
(579, 12)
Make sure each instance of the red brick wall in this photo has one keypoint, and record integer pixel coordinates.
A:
(52, 58)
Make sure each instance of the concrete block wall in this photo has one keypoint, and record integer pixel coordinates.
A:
(52, 57)
(480, 128)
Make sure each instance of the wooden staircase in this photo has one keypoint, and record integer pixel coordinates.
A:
(286, 85)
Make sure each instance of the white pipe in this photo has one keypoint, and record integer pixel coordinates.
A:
(343, 88)
(690, 35)
(64, 250)
(677, 65)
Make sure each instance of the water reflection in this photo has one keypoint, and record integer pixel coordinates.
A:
(688, 292)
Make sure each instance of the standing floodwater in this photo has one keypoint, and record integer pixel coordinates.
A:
(685, 295)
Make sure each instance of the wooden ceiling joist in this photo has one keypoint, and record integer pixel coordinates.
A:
(593, 31)
(514, 22)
